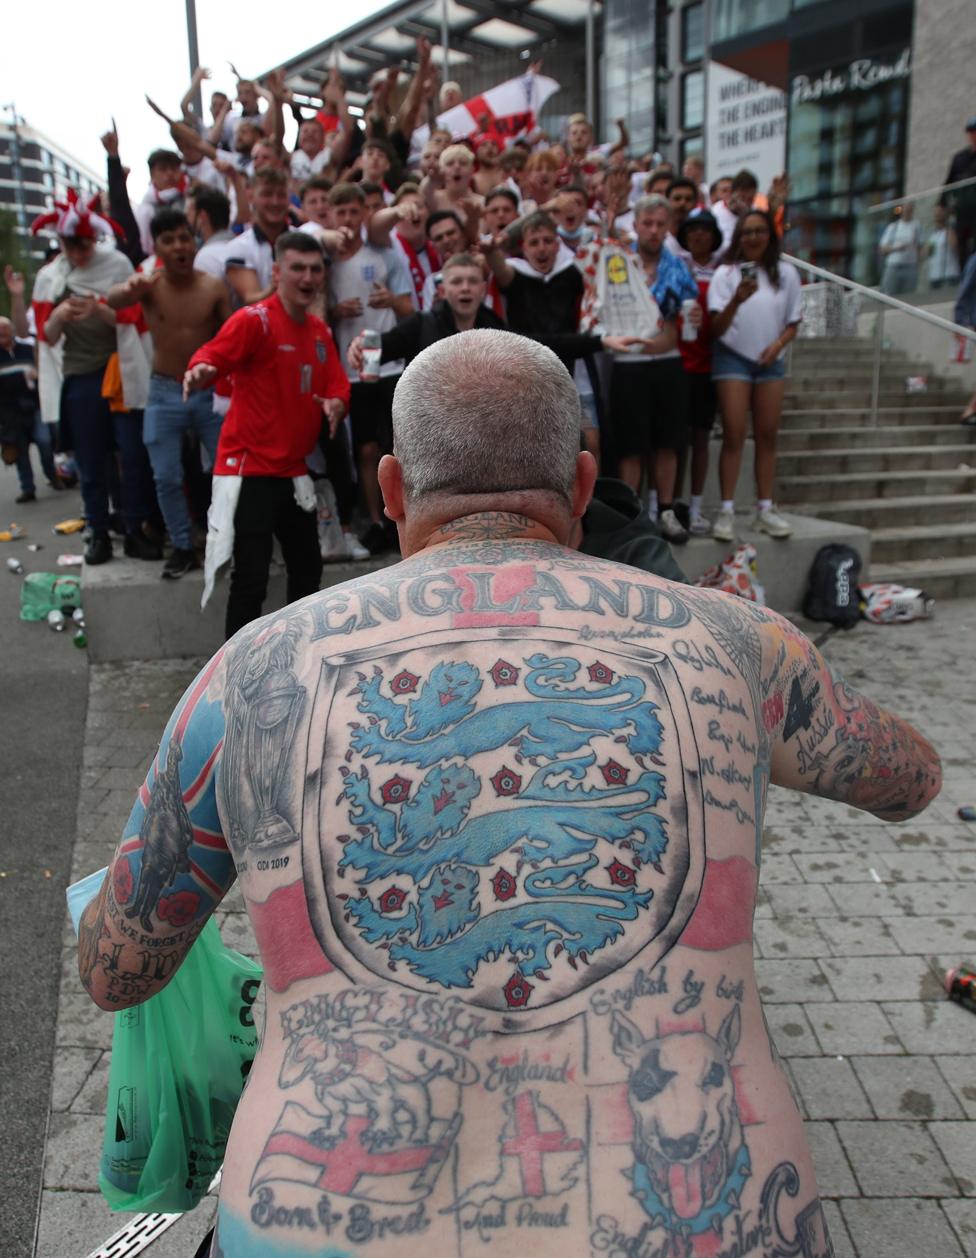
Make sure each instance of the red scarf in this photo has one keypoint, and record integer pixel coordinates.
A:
(417, 272)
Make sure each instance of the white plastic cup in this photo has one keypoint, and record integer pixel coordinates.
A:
(372, 356)
(689, 331)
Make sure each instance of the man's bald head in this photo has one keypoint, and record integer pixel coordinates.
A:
(486, 412)
(6, 333)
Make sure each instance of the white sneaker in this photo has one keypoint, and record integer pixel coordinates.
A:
(773, 523)
(671, 527)
(723, 528)
(698, 526)
(354, 547)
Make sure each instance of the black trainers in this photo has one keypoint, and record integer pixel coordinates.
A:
(179, 564)
(139, 547)
(99, 549)
(28, 495)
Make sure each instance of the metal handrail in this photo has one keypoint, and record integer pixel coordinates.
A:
(883, 299)
(918, 196)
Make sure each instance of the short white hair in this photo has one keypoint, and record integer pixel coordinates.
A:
(653, 201)
(486, 412)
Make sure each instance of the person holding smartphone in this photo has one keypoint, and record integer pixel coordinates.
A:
(755, 305)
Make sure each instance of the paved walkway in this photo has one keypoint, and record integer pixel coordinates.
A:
(857, 923)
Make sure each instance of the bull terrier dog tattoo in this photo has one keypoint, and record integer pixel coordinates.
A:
(691, 1160)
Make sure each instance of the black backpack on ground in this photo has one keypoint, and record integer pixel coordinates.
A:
(832, 588)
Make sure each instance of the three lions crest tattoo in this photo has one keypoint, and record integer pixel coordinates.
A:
(507, 831)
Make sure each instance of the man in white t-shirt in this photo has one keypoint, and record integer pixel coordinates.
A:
(369, 289)
(312, 155)
(250, 256)
(208, 213)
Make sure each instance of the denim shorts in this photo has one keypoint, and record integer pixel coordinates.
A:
(728, 365)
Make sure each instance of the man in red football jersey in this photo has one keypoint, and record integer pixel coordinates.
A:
(286, 373)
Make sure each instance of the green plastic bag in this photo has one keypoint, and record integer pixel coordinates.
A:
(43, 592)
(179, 1062)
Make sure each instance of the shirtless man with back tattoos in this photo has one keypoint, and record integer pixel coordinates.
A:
(496, 815)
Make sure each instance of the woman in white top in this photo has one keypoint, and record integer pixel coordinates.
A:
(755, 305)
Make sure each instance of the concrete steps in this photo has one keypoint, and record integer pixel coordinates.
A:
(811, 415)
(953, 577)
(831, 378)
(796, 440)
(829, 487)
(838, 461)
(851, 399)
(888, 513)
(923, 541)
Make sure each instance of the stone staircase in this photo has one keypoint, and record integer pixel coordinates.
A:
(910, 480)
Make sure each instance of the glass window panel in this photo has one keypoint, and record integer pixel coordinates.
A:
(693, 32)
(732, 18)
(693, 99)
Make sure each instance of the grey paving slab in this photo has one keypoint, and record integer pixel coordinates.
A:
(900, 1229)
(863, 900)
(906, 1088)
(860, 838)
(798, 979)
(932, 1027)
(876, 978)
(936, 898)
(948, 834)
(834, 1175)
(790, 937)
(73, 1224)
(840, 1238)
(778, 867)
(960, 1074)
(72, 1066)
(896, 1159)
(837, 866)
(956, 1140)
(73, 1145)
(830, 1088)
(962, 1217)
(850, 1027)
(791, 1031)
(935, 934)
(801, 899)
(849, 936)
(93, 1097)
(780, 837)
(914, 867)
(77, 1025)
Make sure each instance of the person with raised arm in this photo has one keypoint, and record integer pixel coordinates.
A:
(183, 308)
(286, 377)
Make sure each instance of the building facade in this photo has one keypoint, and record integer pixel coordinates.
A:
(34, 172)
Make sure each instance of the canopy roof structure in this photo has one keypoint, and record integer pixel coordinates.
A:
(466, 35)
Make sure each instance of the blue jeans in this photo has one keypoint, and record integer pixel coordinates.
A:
(728, 364)
(94, 431)
(168, 417)
(40, 435)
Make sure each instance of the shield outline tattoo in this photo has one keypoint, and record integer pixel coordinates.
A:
(320, 817)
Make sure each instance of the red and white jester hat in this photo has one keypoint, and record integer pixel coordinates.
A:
(72, 217)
